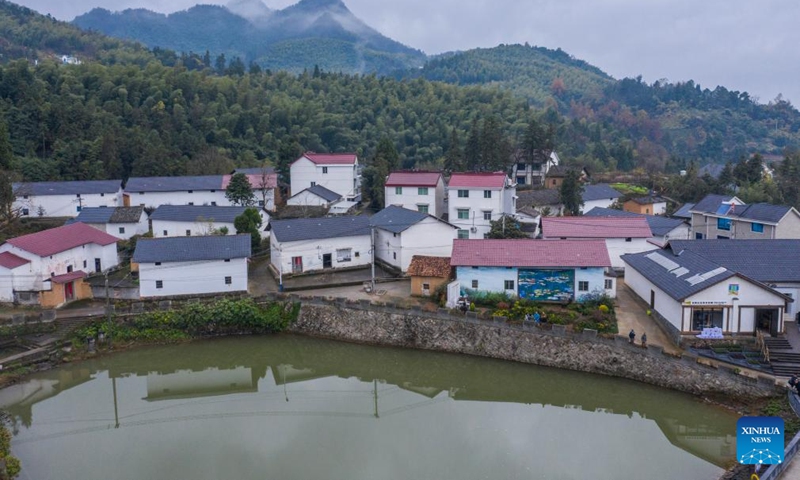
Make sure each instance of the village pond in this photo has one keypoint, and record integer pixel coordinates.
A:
(291, 407)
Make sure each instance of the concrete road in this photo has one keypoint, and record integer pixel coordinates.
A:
(631, 315)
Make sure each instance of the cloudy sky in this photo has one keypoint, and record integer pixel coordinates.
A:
(741, 44)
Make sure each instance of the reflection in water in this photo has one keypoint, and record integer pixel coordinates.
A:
(292, 407)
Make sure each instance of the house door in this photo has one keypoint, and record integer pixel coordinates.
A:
(69, 291)
(97, 267)
(652, 300)
(297, 264)
(327, 260)
(767, 320)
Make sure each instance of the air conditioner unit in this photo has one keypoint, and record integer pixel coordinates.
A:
(474, 229)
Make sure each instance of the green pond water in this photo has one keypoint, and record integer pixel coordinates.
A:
(287, 407)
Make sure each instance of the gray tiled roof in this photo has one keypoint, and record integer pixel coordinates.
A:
(538, 198)
(648, 200)
(683, 212)
(187, 249)
(598, 192)
(659, 225)
(254, 170)
(673, 285)
(764, 212)
(320, 228)
(67, 188)
(173, 184)
(776, 260)
(191, 213)
(396, 219)
(710, 203)
(109, 215)
(324, 193)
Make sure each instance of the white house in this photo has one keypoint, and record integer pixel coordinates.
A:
(475, 199)
(198, 220)
(32, 264)
(621, 234)
(192, 265)
(664, 229)
(598, 195)
(688, 293)
(209, 190)
(65, 199)
(534, 173)
(122, 222)
(312, 244)
(421, 191)
(401, 233)
(725, 217)
(338, 172)
(539, 270)
(315, 196)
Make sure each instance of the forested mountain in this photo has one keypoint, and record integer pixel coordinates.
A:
(312, 32)
(661, 120)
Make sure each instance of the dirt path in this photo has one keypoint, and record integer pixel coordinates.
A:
(631, 315)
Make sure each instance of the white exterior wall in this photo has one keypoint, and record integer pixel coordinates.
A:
(596, 278)
(792, 290)
(183, 197)
(312, 251)
(490, 279)
(14, 279)
(192, 278)
(307, 198)
(411, 199)
(660, 208)
(66, 205)
(602, 203)
(80, 258)
(666, 306)
(503, 201)
(178, 229)
(749, 294)
(429, 237)
(131, 229)
(342, 179)
(618, 247)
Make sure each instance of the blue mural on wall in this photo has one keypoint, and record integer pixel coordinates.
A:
(547, 285)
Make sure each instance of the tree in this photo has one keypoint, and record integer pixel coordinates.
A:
(239, 191)
(506, 227)
(211, 161)
(8, 212)
(454, 158)
(472, 154)
(572, 193)
(374, 175)
(494, 147)
(537, 142)
(220, 64)
(249, 222)
(6, 154)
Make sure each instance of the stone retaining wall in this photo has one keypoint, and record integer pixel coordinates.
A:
(367, 323)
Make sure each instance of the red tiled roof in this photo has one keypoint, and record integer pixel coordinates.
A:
(595, 227)
(257, 180)
(423, 266)
(55, 240)
(331, 158)
(11, 261)
(413, 179)
(473, 180)
(529, 253)
(68, 277)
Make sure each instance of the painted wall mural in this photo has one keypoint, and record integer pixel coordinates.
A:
(547, 285)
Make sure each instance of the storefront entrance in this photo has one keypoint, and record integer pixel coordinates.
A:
(706, 318)
(767, 320)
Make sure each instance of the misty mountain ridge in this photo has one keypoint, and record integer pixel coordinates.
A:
(311, 32)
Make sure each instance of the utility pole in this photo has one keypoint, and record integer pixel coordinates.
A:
(372, 240)
(375, 395)
(108, 313)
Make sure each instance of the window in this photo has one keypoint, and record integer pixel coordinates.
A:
(463, 194)
(629, 239)
(426, 286)
(583, 286)
(78, 208)
(157, 263)
(25, 197)
(474, 284)
(394, 255)
(357, 254)
(463, 213)
(394, 235)
(463, 233)
(344, 254)
(521, 180)
(188, 233)
(706, 318)
(647, 210)
(609, 284)
(723, 237)
(84, 264)
(422, 208)
(78, 195)
(536, 166)
(422, 191)
(313, 184)
(228, 280)
(69, 268)
(324, 169)
(487, 215)
(260, 203)
(521, 166)
(159, 284)
(398, 190)
(191, 203)
(757, 227)
(698, 236)
(191, 191)
(213, 204)
(509, 285)
(723, 224)
(141, 193)
(227, 260)
(487, 194)
(166, 234)
(213, 191)
(102, 194)
(485, 236)
(121, 229)
(25, 212)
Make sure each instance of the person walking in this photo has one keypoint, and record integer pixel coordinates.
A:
(644, 340)
(632, 336)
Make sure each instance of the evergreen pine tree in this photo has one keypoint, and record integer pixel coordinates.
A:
(454, 158)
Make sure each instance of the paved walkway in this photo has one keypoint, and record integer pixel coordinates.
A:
(793, 336)
(631, 315)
